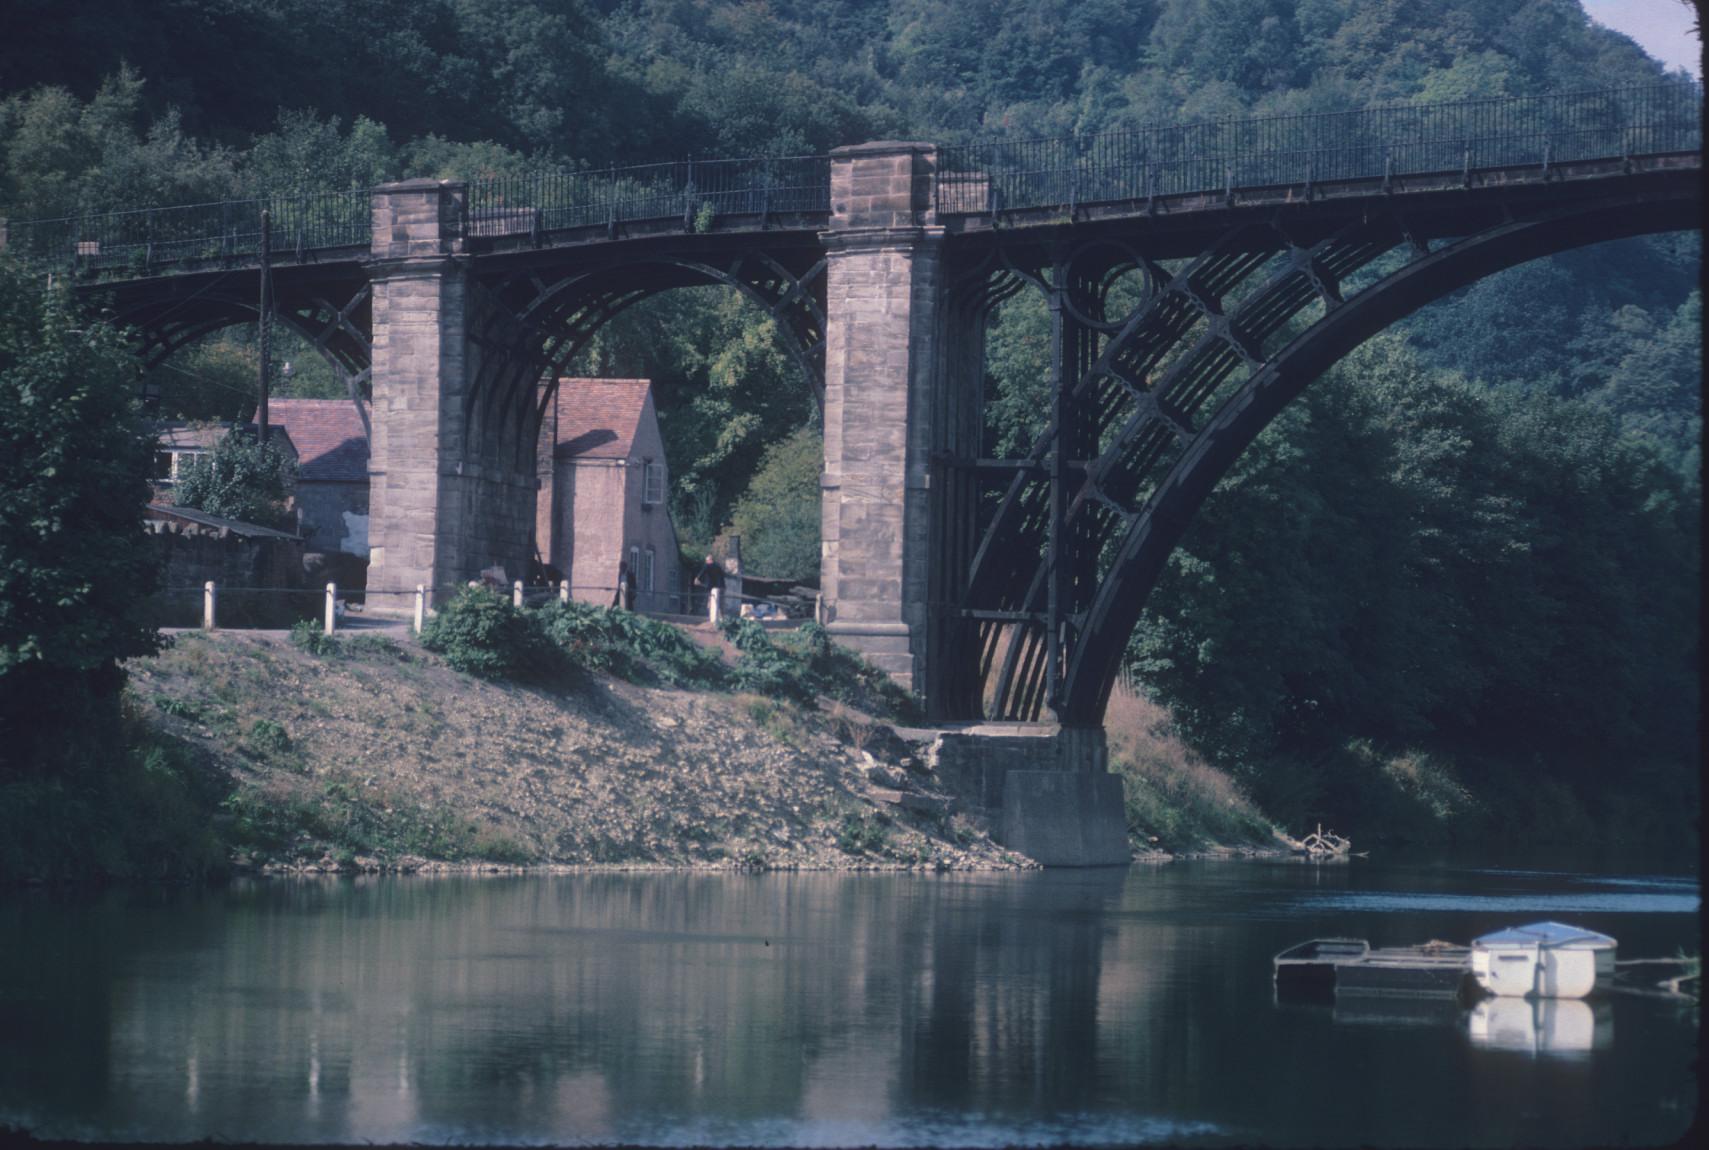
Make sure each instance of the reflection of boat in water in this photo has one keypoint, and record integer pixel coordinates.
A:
(1547, 1026)
(1545, 959)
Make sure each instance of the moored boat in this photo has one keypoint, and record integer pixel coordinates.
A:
(1545, 959)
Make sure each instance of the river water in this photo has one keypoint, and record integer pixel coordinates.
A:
(1090, 1007)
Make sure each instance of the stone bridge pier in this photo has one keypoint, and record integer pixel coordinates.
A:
(904, 385)
(447, 496)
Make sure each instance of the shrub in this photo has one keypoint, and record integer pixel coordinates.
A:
(266, 735)
(311, 636)
(240, 479)
(862, 834)
(631, 646)
(146, 812)
(479, 632)
(766, 669)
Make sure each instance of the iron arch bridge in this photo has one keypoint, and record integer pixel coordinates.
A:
(1197, 277)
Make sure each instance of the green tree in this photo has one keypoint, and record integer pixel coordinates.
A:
(239, 479)
(778, 515)
(75, 565)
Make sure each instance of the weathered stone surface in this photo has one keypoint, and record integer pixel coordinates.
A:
(882, 282)
(446, 499)
(1065, 818)
(1048, 788)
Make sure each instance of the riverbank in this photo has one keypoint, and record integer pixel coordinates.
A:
(373, 755)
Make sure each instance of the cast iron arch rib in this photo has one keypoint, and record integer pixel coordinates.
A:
(327, 328)
(533, 326)
(1093, 665)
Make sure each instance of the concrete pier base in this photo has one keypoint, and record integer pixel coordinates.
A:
(1065, 818)
(1046, 789)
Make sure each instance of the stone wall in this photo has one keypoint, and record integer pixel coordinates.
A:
(973, 762)
(192, 556)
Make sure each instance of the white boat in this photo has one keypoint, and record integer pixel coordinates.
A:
(1545, 959)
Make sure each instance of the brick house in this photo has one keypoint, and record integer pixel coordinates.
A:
(331, 496)
(603, 493)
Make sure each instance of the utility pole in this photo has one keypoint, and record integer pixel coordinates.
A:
(266, 320)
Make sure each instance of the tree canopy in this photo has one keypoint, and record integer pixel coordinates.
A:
(74, 570)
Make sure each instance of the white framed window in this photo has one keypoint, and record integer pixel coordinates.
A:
(653, 483)
(646, 576)
(169, 465)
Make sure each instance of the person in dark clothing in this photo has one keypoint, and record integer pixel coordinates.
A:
(625, 596)
(711, 577)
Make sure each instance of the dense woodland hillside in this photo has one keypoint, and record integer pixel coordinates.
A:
(1477, 540)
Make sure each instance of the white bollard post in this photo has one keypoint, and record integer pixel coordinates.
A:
(516, 594)
(331, 608)
(420, 607)
(208, 594)
(563, 590)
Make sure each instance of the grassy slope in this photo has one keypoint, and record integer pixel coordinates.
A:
(1175, 801)
(383, 752)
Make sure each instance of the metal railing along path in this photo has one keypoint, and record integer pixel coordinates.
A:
(1383, 142)
(696, 192)
(988, 176)
(142, 241)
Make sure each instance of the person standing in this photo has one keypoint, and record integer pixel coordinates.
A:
(711, 577)
(625, 596)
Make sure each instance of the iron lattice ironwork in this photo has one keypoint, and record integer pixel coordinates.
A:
(1157, 387)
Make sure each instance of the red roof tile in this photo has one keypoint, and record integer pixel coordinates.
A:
(598, 418)
(331, 443)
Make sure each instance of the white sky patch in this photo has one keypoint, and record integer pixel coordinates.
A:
(1661, 27)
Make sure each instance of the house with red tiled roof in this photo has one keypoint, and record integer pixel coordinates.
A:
(331, 497)
(603, 492)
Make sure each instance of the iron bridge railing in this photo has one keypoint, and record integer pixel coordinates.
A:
(1397, 140)
(693, 191)
(985, 177)
(145, 240)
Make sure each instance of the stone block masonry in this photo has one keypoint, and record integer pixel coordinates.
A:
(1047, 790)
(883, 284)
(440, 508)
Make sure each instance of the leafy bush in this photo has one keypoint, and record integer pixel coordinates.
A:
(863, 834)
(848, 678)
(311, 636)
(481, 633)
(631, 646)
(765, 668)
(266, 735)
(240, 479)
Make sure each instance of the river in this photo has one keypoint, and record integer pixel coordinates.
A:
(1091, 1007)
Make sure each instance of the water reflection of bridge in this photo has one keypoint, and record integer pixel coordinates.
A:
(1198, 277)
